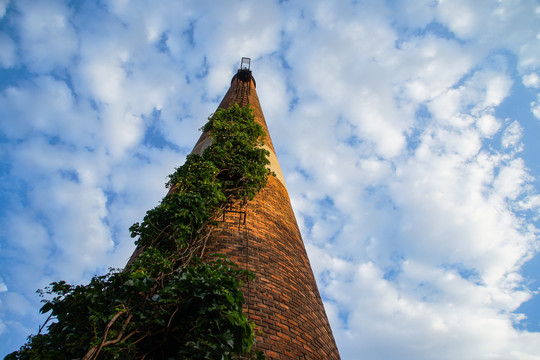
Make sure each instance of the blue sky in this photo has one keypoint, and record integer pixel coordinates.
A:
(407, 132)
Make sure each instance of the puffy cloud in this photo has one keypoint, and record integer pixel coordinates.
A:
(531, 80)
(511, 138)
(48, 39)
(434, 64)
(488, 125)
(462, 17)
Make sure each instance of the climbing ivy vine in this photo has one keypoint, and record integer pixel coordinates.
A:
(167, 303)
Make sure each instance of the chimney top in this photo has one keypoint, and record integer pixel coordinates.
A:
(244, 73)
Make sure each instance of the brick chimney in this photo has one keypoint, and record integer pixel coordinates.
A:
(263, 236)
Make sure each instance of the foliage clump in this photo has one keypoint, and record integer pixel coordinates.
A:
(167, 303)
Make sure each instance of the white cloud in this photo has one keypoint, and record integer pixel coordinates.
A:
(510, 180)
(497, 88)
(48, 39)
(535, 108)
(435, 64)
(504, 25)
(530, 55)
(512, 136)
(488, 125)
(478, 96)
(106, 78)
(54, 111)
(531, 80)
(464, 18)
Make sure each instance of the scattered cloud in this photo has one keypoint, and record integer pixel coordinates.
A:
(417, 201)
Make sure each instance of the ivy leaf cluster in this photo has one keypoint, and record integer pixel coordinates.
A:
(168, 303)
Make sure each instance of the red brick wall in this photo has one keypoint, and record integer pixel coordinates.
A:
(283, 299)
